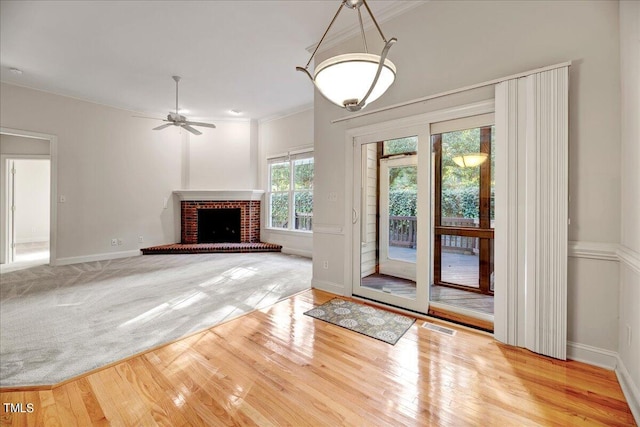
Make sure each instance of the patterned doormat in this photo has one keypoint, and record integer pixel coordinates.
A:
(375, 323)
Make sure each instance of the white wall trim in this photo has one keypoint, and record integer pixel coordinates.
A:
(298, 252)
(286, 113)
(595, 356)
(629, 389)
(218, 195)
(593, 250)
(98, 257)
(326, 286)
(629, 257)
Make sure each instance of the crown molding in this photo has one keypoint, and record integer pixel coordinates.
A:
(286, 113)
(383, 15)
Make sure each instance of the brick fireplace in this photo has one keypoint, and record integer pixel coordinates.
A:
(194, 203)
(247, 201)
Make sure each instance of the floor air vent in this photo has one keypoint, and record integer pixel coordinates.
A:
(437, 328)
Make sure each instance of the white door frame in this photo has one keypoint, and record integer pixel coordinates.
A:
(391, 266)
(421, 301)
(354, 138)
(53, 190)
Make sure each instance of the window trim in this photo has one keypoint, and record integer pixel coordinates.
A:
(290, 158)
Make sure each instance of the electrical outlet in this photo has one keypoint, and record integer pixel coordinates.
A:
(140, 239)
(325, 265)
(119, 242)
(114, 242)
(333, 197)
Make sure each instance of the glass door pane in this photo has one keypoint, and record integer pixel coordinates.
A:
(463, 218)
(389, 224)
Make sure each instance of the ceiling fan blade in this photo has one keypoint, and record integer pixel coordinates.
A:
(192, 130)
(207, 125)
(163, 126)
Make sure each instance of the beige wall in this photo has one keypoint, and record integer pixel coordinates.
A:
(279, 136)
(116, 173)
(447, 45)
(12, 144)
(220, 158)
(112, 169)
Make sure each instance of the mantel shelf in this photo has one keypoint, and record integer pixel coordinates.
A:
(218, 195)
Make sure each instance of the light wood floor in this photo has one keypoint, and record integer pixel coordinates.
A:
(279, 367)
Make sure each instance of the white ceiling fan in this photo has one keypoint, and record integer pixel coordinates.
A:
(176, 119)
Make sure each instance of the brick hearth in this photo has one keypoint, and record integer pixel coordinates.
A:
(249, 218)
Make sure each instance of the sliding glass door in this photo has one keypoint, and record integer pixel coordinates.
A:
(463, 215)
(391, 245)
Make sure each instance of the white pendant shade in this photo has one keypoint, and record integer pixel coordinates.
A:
(470, 160)
(348, 77)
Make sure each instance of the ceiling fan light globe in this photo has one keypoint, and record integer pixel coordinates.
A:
(344, 78)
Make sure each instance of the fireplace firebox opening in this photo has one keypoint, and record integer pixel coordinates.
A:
(219, 225)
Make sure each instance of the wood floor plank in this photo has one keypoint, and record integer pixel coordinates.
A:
(277, 366)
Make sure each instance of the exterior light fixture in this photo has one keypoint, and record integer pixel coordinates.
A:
(353, 80)
(470, 160)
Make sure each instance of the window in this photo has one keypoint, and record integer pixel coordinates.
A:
(290, 195)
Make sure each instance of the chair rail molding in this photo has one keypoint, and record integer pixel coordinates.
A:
(593, 250)
(629, 257)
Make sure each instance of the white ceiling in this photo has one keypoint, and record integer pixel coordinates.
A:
(230, 54)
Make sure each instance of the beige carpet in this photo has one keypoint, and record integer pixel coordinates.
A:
(59, 322)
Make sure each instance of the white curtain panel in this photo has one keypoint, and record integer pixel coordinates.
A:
(532, 212)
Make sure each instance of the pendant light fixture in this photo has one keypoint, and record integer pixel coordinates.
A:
(470, 160)
(353, 80)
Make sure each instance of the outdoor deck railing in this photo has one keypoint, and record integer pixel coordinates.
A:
(403, 233)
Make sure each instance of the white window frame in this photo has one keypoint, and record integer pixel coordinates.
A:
(290, 158)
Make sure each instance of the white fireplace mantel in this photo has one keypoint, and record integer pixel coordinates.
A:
(218, 195)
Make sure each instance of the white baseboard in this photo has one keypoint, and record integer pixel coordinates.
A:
(97, 257)
(331, 287)
(299, 252)
(37, 239)
(630, 390)
(595, 356)
(608, 360)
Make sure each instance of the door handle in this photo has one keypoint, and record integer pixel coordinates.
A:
(354, 216)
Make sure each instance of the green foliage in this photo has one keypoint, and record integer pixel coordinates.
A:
(303, 174)
(303, 202)
(280, 207)
(403, 178)
(280, 176)
(401, 145)
(403, 202)
(280, 210)
(456, 144)
(460, 202)
(456, 203)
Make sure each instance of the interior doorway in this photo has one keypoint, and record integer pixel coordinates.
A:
(28, 213)
(28, 204)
